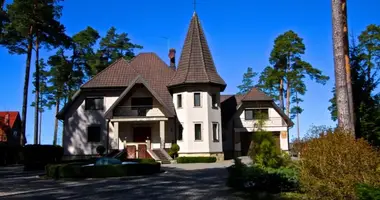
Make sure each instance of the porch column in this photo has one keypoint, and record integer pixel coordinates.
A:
(162, 134)
(116, 135)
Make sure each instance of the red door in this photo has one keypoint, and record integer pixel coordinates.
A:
(140, 134)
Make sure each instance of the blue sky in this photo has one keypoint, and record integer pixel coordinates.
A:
(240, 35)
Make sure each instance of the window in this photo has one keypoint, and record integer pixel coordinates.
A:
(197, 99)
(94, 103)
(145, 102)
(251, 114)
(180, 131)
(215, 132)
(179, 101)
(248, 114)
(261, 114)
(214, 101)
(198, 131)
(93, 133)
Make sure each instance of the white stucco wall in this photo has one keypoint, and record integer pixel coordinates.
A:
(275, 123)
(77, 119)
(205, 115)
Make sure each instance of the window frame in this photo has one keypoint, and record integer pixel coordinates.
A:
(180, 133)
(214, 101)
(179, 101)
(200, 129)
(200, 99)
(87, 106)
(245, 114)
(100, 133)
(215, 136)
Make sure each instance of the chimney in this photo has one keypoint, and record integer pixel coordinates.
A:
(172, 59)
(6, 119)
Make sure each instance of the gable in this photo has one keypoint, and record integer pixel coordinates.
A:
(139, 88)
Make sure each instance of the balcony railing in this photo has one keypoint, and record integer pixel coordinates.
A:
(136, 111)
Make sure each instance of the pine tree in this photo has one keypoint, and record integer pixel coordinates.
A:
(247, 83)
(286, 78)
(30, 21)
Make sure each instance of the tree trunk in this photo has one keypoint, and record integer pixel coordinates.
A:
(298, 121)
(340, 59)
(37, 94)
(281, 94)
(26, 86)
(39, 129)
(348, 67)
(288, 98)
(56, 122)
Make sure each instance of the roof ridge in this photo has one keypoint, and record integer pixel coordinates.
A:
(191, 49)
(106, 69)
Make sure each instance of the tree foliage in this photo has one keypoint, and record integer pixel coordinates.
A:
(288, 71)
(364, 60)
(333, 163)
(247, 83)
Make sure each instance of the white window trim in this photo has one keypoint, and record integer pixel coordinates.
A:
(217, 132)
(200, 100)
(181, 124)
(201, 123)
(179, 107)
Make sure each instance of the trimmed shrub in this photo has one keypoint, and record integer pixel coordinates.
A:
(36, 157)
(196, 159)
(366, 192)
(257, 179)
(334, 162)
(10, 154)
(173, 151)
(101, 171)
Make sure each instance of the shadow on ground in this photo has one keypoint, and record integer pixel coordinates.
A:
(174, 183)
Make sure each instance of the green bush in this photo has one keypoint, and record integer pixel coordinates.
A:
(173, 151)
(36, 157)
(333, 162)
(101, 171)
(265, 152)
(255, 178)
(10, 154)
(196, 159)
(366, 192)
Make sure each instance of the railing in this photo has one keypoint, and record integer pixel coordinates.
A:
(121, 111)
(270, 122)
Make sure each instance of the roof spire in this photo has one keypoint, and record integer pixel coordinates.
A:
(196, 64)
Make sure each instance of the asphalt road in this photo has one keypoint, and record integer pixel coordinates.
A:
(180, 181)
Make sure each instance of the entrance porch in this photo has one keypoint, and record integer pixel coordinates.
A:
(143, 137)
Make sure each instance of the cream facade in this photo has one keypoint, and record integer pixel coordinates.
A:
(144, 106)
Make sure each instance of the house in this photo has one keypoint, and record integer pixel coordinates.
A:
(10, 127)
(146, 105)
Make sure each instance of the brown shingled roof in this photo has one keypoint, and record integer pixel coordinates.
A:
(196, 64)
(151, 68)
(256, 95)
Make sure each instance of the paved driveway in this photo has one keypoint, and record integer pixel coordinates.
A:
(180, 181)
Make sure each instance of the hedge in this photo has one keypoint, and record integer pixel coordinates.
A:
(101, 171)
(10, 154)
(36, 157)
(196, 159)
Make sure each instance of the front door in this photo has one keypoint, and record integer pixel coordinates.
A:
(140, 134)
(246, 141)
